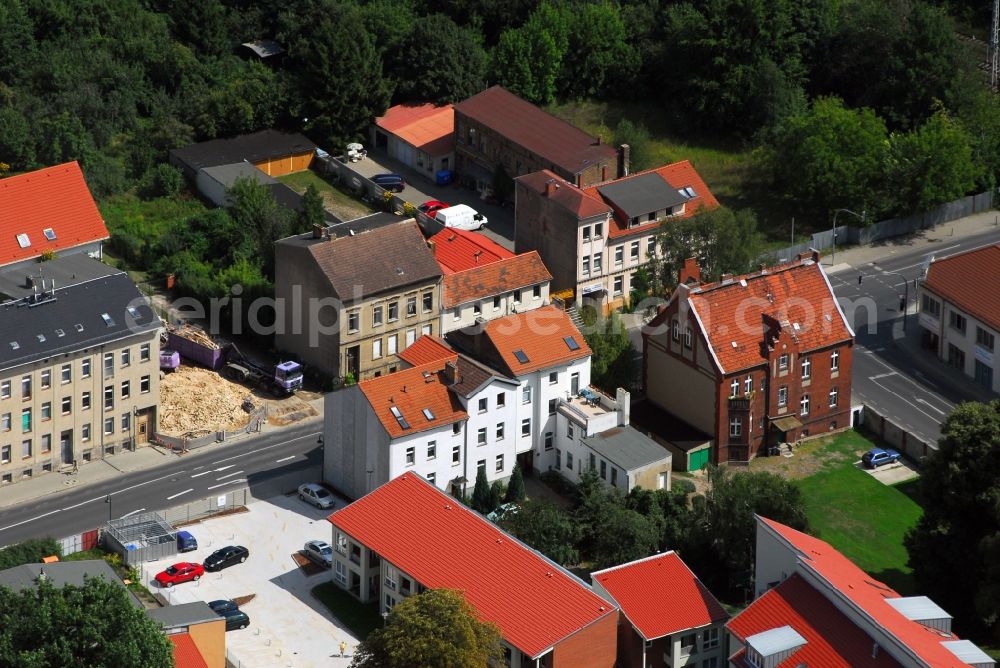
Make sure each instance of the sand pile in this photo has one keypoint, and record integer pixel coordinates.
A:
(193, 399)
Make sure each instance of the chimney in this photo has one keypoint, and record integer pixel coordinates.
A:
(551, 186)
(317, 231)
(690, 272)
(726, 277)
(599, 141)
(624, 401)
(29, 281)
(431, 244)
(816, 255)
(450, 373)
(805, 256)
(624, 153)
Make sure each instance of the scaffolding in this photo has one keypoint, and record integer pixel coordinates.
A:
(141, 537)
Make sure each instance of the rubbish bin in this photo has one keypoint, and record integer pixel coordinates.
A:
(444, 177)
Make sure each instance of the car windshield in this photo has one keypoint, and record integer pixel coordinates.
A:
(325, 550)
(322, 493)
(171, 570)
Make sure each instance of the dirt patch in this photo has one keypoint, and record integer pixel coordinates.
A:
(243, 600)
(194, 399)
(807, 458)
(308, 566)
(281, 412)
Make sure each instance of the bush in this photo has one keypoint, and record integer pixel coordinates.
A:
(29, 552)
(680, 485)
(558, 483)
(163, 180)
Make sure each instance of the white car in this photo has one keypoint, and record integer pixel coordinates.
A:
(320, 552)
(317, 495)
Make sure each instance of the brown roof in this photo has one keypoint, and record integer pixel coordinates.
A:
(493, 279)
(567, 195)
(375, 261)
(970, 281)
(470, 376)
(537, 131)
(411, 392)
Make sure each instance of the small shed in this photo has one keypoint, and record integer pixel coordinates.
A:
(422, 136)
(141, 537)
(266, 50)
(642, 461)
(691, 448)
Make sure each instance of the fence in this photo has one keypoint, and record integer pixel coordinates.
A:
(895, 436)
(365, 188)
(187, 442)
(892, 227)
(80, 542)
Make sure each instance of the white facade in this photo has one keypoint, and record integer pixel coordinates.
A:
(539, 407)
(607, 264)
(960, 339)
(494, 306)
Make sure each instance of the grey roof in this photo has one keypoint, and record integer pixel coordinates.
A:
(252, 148)
(184, 614)
(918, 608)
(626, 447)
(264, 48)
(61, 573)
(72, 318)
(776, 640)
(968, 652)
(227, 174)
(65, 270)
(639, 195)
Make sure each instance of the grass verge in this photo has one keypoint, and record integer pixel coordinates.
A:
(337, 201)
(359, 618)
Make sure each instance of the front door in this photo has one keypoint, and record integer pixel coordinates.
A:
(354, 361)
(66, 447)
(142, 429)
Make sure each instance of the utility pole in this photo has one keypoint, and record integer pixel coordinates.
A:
(994, 39)
(793, 217)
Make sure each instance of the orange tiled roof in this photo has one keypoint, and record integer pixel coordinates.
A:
(428, 348)
(580, 202)
(494, 278)
(186, 654)
(540, 335)
(410, 392)
(970, 281)
(795, 294)
(427, 127)
(458, 250)
(54, 197)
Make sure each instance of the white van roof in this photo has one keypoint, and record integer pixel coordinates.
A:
(457, 210)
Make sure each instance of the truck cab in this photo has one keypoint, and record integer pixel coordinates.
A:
(289, 376)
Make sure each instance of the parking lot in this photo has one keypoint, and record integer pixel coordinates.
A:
(892, 474)
(288, 626)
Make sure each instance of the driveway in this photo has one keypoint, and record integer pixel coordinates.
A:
(288, 626)
(892, 474)
(420, 188)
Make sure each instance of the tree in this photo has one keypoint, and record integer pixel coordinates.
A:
(439, 62)
(435, 628)
(91, 625)
(954, 547)
(482, 498)
(31, 551)
(311, 212)
(528, 60)
(623, 535)
(255, 210)
(612, 363)
(980, 115)
(515, 487)
(603, 57)
(547, 528)
(638, 139)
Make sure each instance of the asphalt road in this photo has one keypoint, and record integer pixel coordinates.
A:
(194, 476)
(891, 374)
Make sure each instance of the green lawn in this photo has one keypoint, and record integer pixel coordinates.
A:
(337, 201)
(359, 618)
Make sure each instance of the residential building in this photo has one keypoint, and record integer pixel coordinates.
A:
(198, 634)
(814, 607)
(755, 361)
(354, 298)
(407, 536)
(421, 136)
(274, 153)
(79, 366)
(480, 284)
(608, 228)
(48, 211)
(959, 301)
(668, 617)
(496, 128)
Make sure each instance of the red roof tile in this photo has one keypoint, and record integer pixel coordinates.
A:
(458, 250)
(186, 654)
(427, 349)
(660, 595)
(832, 640)
(867, 594)
(442, 544)
(540, 335)
(797, 293)
(970, 281)
(580, 202)
(537, 131)
(428, 127)
(411, 391)
(494, 278)
(54, 197)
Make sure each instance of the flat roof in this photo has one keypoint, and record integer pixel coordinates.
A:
(776, 640)
(183, 614)
(642, 194)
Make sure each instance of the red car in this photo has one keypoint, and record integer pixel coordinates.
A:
(180, 572)
(432, 206)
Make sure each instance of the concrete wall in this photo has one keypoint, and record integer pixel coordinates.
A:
(680, 388)
(354, 443)
(648, 477)
(895, 436)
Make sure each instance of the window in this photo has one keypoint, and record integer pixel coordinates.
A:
(376, 349)
(85, 401)
(85, 368)
(614, 476)
(710, 663)
(390, 581)
(957, 321)
(597, 262)
(456, 454)
(26, 387)
(499, 466)
(144, 385)
(126, 357)
(586, 264)
(126, 421)
(411, 306)
(687, 338)
(483, 405)
(634, 251)
(526, 394)
(5, 454)
(352, 322)
(5, 422)
(536, 292)
(526, 427)
(109, 426)
(392, 340)
(806, 368)
(677, 330)
(481, 436)
(456, 428)
(393, 311)
(144, 352)
(5, 390)
(619, 255)
(109, 362)
(734, 388)
(47, 410)
(569, 460)
(548, 440)
(783, 361)
(432, 450)
(604, 470)
(834, 397)
(517, 296)
(598, 230)
(651, 246)
(126, 389)
(619, 285)
(85, 432)
(956, 357)
(46, 379)
(558, 459)
(804, 405)
(735, 426)
(574, 383)
(66, 373)
(426, 330)
(748, 384)
(340, 572)
(586, 233)
(553, 377)
(481, 466)
(376, 315)
(477, 309)
(410, 456)
(25, 448)
(710, 638)
(984, 339)
(109, 397)
(411, 336)
(496, 303)
(783, 396)
(67, 405)
(689, 644)
(835, 360)
(569, 430)
(428, 300)
(983, 374)
(931, 306)
(501, 399)
(25, 420)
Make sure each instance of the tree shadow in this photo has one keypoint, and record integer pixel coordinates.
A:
(899, 580)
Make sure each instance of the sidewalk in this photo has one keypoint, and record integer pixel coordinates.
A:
(146, 457)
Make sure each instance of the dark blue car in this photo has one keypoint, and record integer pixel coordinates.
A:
(186, 542)
(877, 456)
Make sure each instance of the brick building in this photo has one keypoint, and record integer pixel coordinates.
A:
(755, 361)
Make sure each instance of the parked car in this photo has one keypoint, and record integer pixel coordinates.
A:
(182, 571)
(320, 552)
(223, 605)
(462, 217)
(502, 511)
(186, 542)
(432, 206)
(393, 182)
(317, 495)
(236, 619)
(877, 456)
(226, 557)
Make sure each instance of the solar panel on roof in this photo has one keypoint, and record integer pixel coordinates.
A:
(399, 418)
(521, 357)
(571, 343)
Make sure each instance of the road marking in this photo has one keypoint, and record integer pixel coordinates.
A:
(906, 401)
(218, 470)
(268, 447)
(196, 475)
(31, 520)
(133, 512)
(882, 375)
(179, 493)
(933, 408)
(169, 475)
(228, 482)
(229, 475)
(278, 461)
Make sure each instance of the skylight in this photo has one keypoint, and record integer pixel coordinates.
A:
(79, 327)
(428, 414)
(571, 343)
(60, 332)
(133, 311)
(399, 418)
(49, 233)
(41, 338)
(14, 345)
(23, 241)
(521, 357)
(107, 320)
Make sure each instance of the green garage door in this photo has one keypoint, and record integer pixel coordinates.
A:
(698, 460)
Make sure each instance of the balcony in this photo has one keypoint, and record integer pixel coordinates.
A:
(739, 403)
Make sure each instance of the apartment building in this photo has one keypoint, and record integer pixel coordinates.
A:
(594, 239)
(79, 366)
(959, 301)
(352, 301)
(755, 361)
(408, 536)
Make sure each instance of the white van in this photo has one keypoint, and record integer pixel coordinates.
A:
(462, 217)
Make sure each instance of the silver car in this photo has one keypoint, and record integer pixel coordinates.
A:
(317, 495)
(320, 552)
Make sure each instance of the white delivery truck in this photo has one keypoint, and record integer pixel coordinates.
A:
(462, 217)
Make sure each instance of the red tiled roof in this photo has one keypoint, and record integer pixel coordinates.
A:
(537, 131)
(428, 127)
(494, 278)
(660, 595)
(540, 335)
(580, 202)
(442, 544)
(427, 349)
(54, 197)
(867, 594)
(411, 391)
(832, 640)
(799, 294)
(970, 281)
(186, 654)
(458, 250)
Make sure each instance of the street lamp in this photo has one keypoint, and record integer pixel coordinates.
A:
(836, 212)
(107, 500)
(906, 293)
